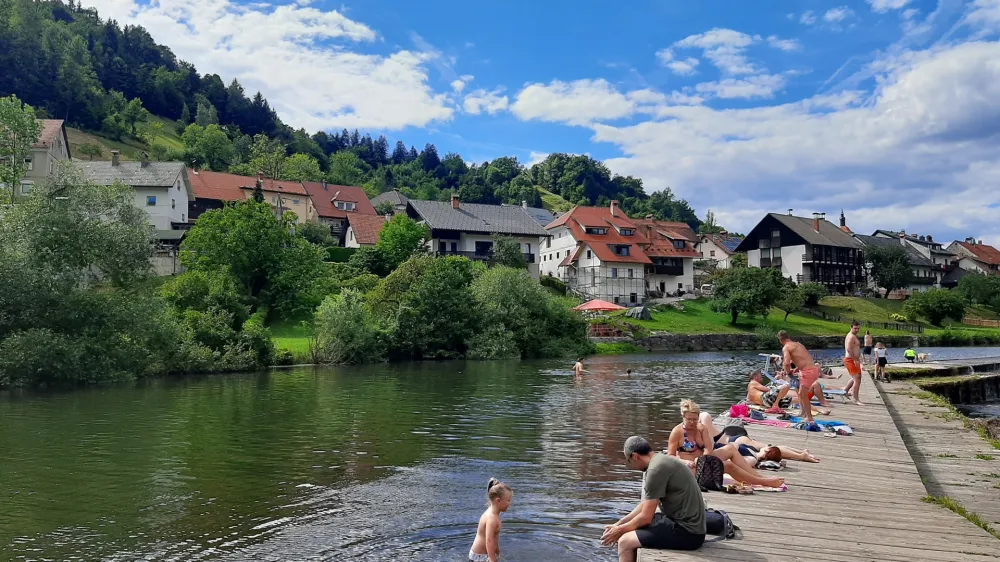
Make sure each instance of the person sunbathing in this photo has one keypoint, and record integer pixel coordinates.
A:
(774, 398)
(752, 450)
(690, 439)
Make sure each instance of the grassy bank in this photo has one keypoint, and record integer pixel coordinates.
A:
(294, 337)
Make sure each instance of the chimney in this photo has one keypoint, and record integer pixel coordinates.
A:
(723, 234)
(454, 200)
(970, 240)
(614, 208)
(902, 235)
(930, 238)
(980, 242)
(816, 222)
(324, 185)
(114, 157)
(649, 217)
(524, 204)
(143, 159)
(790, 212)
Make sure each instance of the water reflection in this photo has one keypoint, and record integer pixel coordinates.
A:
(330, 464)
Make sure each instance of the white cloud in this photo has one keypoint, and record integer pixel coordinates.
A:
(724, 47)
(575, 102)
(984, 14)
(536, 158)
(684, 67)
(882, 6)
(479, 101)
(839, 14)
(760, 86)
(807, 18)
(458, 85)
(297, 57)
(923, 145)
(783, 44)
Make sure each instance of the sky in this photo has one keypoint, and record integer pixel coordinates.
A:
(887, 109)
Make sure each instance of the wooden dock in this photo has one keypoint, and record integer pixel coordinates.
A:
(861, 503)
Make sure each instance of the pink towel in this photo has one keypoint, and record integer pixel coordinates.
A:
(772, 423)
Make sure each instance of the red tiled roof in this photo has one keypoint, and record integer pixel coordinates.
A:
(229, 187)
(580, 217)
(659, 236)
(366, 227)
(983, 252)
(323, 198)
(681, 229)
(51, 128)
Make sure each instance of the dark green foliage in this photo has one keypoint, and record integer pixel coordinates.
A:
(747, 290)
(888, 267)
(935, 305)
(977, 288)
(341, 255)
(399, 239)
(553, 283)
(507, 252)
(318, 234)
(792, 299)
(370, 259)
(437, 315)
(814, 292)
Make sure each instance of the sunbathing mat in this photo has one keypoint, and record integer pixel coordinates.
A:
(728, 480)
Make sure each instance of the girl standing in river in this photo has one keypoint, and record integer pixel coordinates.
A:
(486, 547)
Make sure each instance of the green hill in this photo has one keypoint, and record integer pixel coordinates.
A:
(553, 202)
(166, 137)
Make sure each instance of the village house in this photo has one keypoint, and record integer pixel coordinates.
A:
(717, 249)
(467, 229)
(335, 204)
(973, 255)
(162, 189)
(213, 189)
(807, 251)
(51, 148)
(363, 230)
(602, 254)
(394, 198)
(942, 261)
(922, 272)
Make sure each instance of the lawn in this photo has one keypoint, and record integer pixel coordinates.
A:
(127, 146)
(553, 202)
(294, 337)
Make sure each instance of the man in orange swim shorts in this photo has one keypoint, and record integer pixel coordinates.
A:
(852, 360)
(795, 352)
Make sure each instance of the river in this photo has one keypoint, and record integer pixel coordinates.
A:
(385, 462)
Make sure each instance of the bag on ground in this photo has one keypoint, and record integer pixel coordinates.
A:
(709, 471)
(719, 524)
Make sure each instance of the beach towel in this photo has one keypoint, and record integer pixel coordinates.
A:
(821, 423)
(729, 481)
(771, 423)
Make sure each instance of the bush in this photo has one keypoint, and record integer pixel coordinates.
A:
(813, 293)
(935, 305)
(767, 337)
(553, 283)
(340, 255)
(283, 357)
(347, 332)
(370, 259)
(895, 317)
(749, 290)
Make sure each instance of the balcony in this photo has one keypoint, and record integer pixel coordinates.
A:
(914, 280)
(665, 269)
(478, 256)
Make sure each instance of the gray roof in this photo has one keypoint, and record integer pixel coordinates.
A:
(154, 174)
(829, 234)
(473, 217)
(930, 244)
(394, 197)
(730, 243)
(913, 256)
(541, 216)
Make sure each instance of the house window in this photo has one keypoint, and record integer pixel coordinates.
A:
(588, 254)
(343, 205)
(614, 272)
(351, 234)
(630, 273)
(632, 298)
(595, 230)
(29, 164)
(150, 200)
(711, 253)
(25, 187)
(680, 285)
(442, 246)
(183, 218)
(173, 203)
(548, 243)
(679, 244)
(627, 232)
(52, 167)
(529, 248)
(622, 250)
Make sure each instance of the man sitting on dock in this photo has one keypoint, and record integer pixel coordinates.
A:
(795, 352)
(776, 397)
(667, 482)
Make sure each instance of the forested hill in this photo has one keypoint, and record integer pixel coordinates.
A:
(68, 64)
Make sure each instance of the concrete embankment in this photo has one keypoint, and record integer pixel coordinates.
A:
(746, 342)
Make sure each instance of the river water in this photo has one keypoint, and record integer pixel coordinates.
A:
(386, 462)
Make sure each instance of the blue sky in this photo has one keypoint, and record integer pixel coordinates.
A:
(887, 108)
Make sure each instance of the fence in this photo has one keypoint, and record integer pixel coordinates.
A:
(981, 323)
(898, 326)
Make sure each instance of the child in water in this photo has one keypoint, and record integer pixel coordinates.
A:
(486, 547)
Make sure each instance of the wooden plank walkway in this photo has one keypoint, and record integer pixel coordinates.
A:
(862, 502)
(945, 452)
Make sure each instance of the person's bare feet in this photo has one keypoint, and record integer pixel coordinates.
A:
(774, 482)
(810, 457)
(859, 403)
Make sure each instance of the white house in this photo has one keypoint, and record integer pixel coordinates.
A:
(717, 249)
(363, 230)
(923, 274)
(942, 261)
(162, 189)
(600, 253)
(973, 255)
(51, 148)
(467, 229)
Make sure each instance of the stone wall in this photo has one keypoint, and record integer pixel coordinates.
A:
(732, 342)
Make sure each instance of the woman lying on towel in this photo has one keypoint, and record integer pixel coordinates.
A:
(753, 451)
(692, 439)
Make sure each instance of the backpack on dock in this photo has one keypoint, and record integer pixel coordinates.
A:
(709, 472)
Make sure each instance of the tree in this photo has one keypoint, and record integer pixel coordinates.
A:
(347, 169)
(792, 299)
(385, 208)
(347, 332)
(888, 267)
(429, 159)
(935, 305)
(91, 150)
(738, 260)
(709, 226)
(746, 290)
(18, 132)
(437, 316)
(318, 234)
(300, 167)
(399, 239)
(507, 252)
(978, 288)
(813, 292)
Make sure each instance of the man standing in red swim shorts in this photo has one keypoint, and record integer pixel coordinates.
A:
(795, 352)
(852, 360)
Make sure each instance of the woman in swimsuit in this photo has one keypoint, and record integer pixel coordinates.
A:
(758, 451)
(692, 439)
(881, 360)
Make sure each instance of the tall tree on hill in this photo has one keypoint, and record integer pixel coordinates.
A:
(399, 154)
(429, 159)
(19, 130)
(709, 226)
(214, 90)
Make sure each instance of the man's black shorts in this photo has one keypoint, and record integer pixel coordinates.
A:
(664, 534)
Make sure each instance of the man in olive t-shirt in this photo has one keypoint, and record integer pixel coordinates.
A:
(667, 482)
